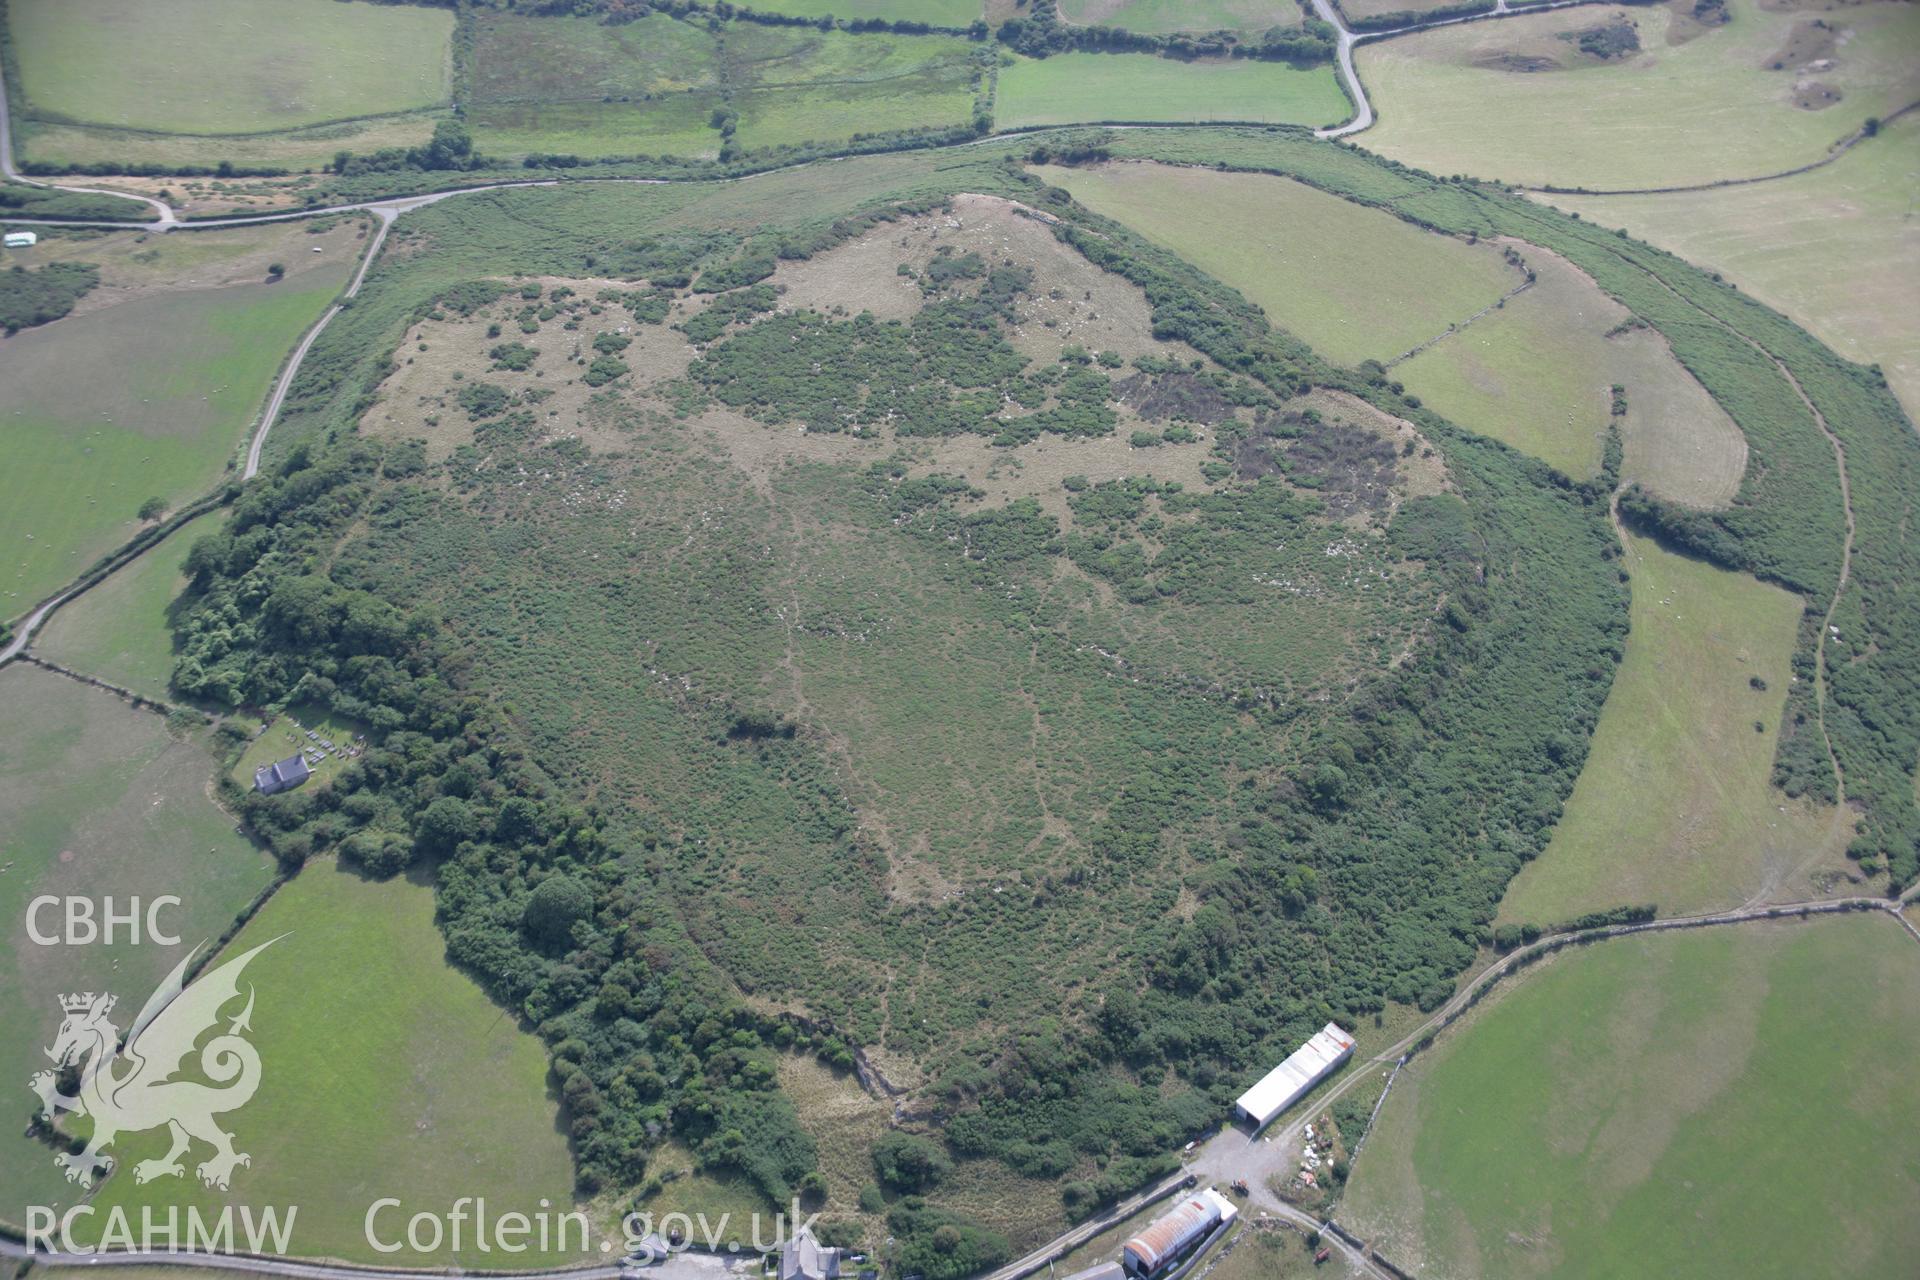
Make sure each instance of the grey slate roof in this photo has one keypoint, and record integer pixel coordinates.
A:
(291, 772)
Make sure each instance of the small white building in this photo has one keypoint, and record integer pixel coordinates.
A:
(1287, 1083)
(21, 239)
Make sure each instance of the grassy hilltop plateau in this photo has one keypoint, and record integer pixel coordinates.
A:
(882, 605)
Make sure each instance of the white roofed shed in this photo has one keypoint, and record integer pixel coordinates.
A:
(1287, 1083)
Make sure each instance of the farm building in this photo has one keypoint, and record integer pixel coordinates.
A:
(283, 776)
(21, 239)
(1305, 1067)
(1176, 1234)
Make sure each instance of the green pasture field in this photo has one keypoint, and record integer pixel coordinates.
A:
(1158, 16)
(308, 149)
(227, 66)
(1355, 283)
(384, 1072)
(939, 13)
(829, 112)
(1675, 805)
(1722, 1103)
(770, 57)
(122, 629)
(136, 264)
(520, 58)
(1277, 1253)
(1673, 114)
(147, 398)
(672, 125)
(1361, 10)
(1077, 88)
(1524, 374)
(1538, 373)
(1834, 248)
(97, 798)
(578, 87)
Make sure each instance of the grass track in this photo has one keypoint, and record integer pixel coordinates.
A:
(1672, 114)
(393, 1076)
(1073, 88)
(120, 630)
(1733, 1098)
(228, 66)
(1838, 249)
(147, 398)
(1355, 283)
(97, 798)
(1674, 805)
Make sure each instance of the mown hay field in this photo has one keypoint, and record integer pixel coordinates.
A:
(122, 630)
(1078, 88)
(227, 66)
(1159, 16)
(1355, 283)
(1837, 249)
(1733, 1098)
(149, 398)
(1513, 100)
(393, 1076)
(97, 798)
(1675, 805)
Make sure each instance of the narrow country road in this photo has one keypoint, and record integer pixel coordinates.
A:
(1362, 109)
(12, 174)
(271, 413)
(1348, 38)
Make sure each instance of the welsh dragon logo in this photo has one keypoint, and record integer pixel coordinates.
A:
(132, 1087)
